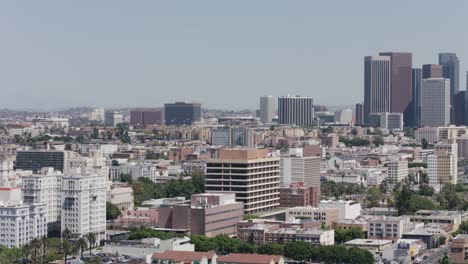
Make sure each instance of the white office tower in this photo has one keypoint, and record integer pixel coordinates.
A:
(44, 188)
(97, 114)
(267, 109)
(442, 166)
(397, 170)
(93, 163)
(84, 205)
(295, 168)
(435, 102)
(20, 223)
(344, 117)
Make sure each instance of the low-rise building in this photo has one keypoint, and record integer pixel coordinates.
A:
(238, 258)
(346, 224)
(346, 209)
(20, 223)
(391, 228)
(182, 257)
(299, 195)
(375, 246)
(309, 235)
(121, 195)
(140, 216)
(459, 250)
(326, 215)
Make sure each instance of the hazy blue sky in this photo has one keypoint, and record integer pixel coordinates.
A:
(224, 54)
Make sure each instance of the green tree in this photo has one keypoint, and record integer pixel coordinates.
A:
(360, 256)
(271, 249)
(345, 235)
(426, 190)
(444, 260)
(424, 143)
(378, 141)
(91, 238)
(95, 133)
(82, 245)
(203, 243)
(198, 181)
(373, 197)
(112, 211)
(298, 250)
(125, 177)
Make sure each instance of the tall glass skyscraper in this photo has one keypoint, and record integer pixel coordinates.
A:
(416, 104)
(451, 70)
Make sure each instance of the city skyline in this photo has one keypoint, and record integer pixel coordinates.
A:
(125, 55)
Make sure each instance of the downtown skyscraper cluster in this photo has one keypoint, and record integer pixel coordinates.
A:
(427, 96)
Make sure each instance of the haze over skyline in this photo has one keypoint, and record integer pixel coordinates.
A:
(57, 54)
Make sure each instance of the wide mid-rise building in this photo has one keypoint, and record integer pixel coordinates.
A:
(295, 110)
(147, 116)
(249, 173)
(181, 113)
(296, 168)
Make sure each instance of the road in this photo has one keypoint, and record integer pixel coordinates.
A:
(436, 254)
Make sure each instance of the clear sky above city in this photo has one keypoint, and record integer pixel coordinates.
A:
(224, 54)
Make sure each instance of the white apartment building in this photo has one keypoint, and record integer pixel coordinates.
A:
(442, 166)
(136, 170)
(383, 227)
(43, 188)
(120, 195)
(93, 163)
(6, 169)
(20, 223)
(84, 205)
(397, 170)
(347, 209)
(296, 168)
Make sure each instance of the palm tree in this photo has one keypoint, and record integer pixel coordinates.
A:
(44, 242)
(65, 249)
(36, 245)
(82, 244)
(74, 250)
(26, 250)
(92, 240)
(66, 234)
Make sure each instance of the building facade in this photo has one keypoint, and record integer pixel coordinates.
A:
(181, 113)
(147, 116)
(250, 174)
(267, 109)
(377, 81)
(435, 102)
(295, 110)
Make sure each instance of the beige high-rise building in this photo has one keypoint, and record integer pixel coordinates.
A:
(442, 166)
(397, 170)
(250, 173)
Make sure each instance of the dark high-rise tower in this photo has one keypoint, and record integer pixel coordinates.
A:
(416, 103)
(451, 70)
(295, 110)
(432, 71)
(401, 89)
(359, 114)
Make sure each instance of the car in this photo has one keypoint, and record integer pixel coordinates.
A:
(425, 257)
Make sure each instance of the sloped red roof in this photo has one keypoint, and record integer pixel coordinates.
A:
(249, 258)
(183, 256)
